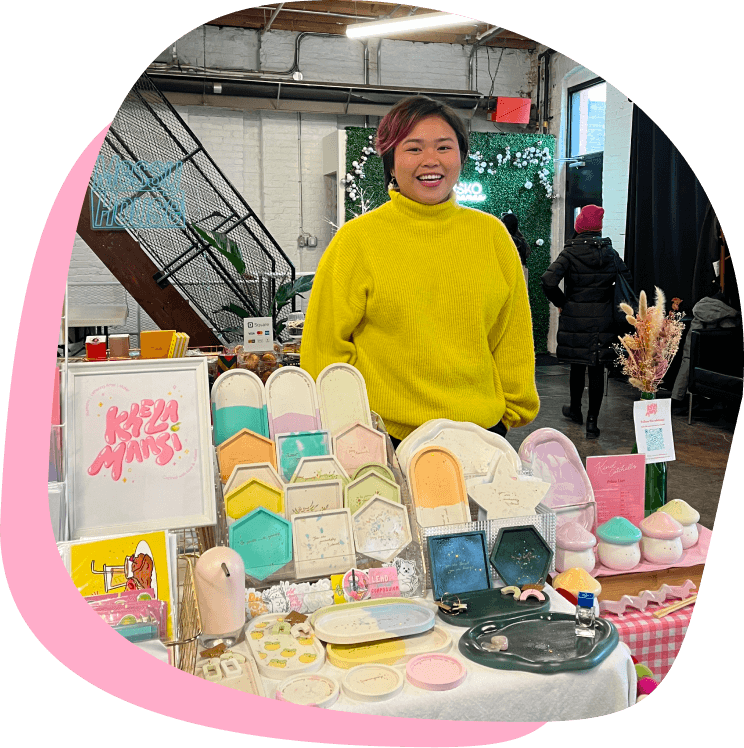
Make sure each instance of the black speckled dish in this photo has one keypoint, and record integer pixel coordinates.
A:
(540, 643)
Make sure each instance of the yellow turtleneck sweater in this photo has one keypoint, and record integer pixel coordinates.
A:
(429, 303)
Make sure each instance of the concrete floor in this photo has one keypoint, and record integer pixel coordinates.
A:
(702, 448)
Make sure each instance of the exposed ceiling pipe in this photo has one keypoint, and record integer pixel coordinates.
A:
(317, 13)
(481, 40)
(271, 20)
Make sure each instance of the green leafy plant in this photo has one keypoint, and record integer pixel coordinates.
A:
(284, 295)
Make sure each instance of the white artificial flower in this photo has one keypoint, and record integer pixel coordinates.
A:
(539, 242)
(528, 185)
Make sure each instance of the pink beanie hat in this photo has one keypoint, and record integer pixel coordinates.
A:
(590, 219)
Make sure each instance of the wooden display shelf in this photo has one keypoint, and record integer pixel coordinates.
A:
(614, 586)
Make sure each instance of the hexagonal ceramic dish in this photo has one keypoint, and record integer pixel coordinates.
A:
(245, 448)
(313, 496)
(521, 555)
(357, 445)
(251, 495)
(291, 448)
(361, 490)
(264, 471)
(264, 542)
(322, 467)
(381, 529)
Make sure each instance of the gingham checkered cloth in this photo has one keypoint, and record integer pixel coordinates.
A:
(654, 642)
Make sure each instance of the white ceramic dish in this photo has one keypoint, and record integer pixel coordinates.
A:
(309, 690)
(371, 620)
(323, 467)
(237, 388)
(313, 496)
(373, 682)
(241, 474)
(342, 393)
(323, 543)
(475, 447)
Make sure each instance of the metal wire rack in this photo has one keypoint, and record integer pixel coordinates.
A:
(147, 130)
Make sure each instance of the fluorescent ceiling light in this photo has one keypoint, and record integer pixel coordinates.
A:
(409, 23)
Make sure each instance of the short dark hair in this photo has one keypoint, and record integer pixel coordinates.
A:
(404, 116)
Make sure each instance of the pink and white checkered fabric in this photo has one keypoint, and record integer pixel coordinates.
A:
(654, 642)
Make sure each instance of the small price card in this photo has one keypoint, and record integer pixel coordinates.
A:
(258, 334)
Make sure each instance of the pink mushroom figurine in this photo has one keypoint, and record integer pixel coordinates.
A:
(662, 539)
(687, 517)
(574, 547)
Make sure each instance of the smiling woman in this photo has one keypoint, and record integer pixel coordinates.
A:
(397, 281)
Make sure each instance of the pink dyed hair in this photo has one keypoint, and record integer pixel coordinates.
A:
(396, 125)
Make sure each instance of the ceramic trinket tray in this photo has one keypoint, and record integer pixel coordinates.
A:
(313, 496)
(291, 402)
(323, 543)
(396, 651)
(278, 651)
(475, 447)
(552, 457)
(459, 563)
(521, 556)
(241, 474)
(377, 467)
(251, 495)
(435, 672)
(342, 393)
(539, 643)
(238, 403)
(309, 690)
(371, 620)
(373, 682)
(359, 444)
(438, 488)
(244, 448)
(291, 448)
(264, 542)
(490, 604)
(370, 484)
(381, 529)
(321, 468)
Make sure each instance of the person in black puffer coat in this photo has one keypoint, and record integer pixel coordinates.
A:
(588, 265)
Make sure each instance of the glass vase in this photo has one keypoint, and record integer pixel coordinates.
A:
(656, 476)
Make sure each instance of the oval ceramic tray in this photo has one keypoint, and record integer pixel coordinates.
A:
(238, 403)
(475, 447)
(373, 682)
(342, 393)
(308, 690)
(438, 488)
(540, 643)
(371, 620)
(390, 651)
(291, 401)
(280, 654)
(435, 672)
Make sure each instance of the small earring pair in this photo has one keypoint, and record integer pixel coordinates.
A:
(393, 182)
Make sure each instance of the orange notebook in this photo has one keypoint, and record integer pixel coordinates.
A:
(156, 343)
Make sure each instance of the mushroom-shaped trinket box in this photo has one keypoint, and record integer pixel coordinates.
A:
(577, 580)
(687, 517)
(574, 547)
(662, 539)
(618, 547)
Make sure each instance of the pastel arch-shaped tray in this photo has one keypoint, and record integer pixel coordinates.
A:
(438, 488)
(342, 393)
(238, 403)
(291, 401)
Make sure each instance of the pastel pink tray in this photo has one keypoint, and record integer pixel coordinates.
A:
(435, 672)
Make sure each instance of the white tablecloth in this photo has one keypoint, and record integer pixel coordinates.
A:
(506, 695)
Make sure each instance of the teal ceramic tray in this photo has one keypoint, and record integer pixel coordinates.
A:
(490, 605)
(540, 643)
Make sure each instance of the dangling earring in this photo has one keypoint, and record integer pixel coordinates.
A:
(393, 184)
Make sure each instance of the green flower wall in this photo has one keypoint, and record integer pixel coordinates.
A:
(510, 171)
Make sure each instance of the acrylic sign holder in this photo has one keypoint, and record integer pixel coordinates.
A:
(291, 402)
(342, 393)
(438, 488)
(238, 403)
